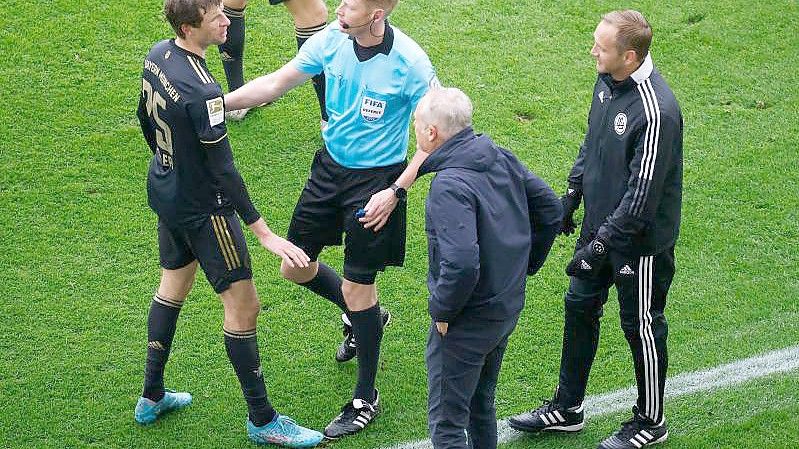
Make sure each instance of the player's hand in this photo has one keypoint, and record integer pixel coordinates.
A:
(378, 209)
(588, 260)
(442, 328)
(570, 202)
(293, 256)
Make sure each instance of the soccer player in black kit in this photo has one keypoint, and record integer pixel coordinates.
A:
(198, 195)
(628, 175)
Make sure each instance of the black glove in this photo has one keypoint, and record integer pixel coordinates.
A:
(570, 202)
(588, 260)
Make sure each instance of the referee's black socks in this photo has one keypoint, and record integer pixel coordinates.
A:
(242, 350)
(368, 329)
(232, 51)
(327, 284)
(161, 323)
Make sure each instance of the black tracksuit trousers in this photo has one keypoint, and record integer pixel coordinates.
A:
(642, 284)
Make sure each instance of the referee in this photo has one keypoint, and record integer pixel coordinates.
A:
(629, 175)
(375, 75)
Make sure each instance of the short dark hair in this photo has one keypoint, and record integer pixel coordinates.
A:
(178, 12)
(634, 32)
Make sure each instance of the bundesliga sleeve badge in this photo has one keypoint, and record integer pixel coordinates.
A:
(216, 111)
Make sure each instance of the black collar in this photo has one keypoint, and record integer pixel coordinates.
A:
(367, 53)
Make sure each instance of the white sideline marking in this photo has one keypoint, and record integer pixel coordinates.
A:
(734, 373)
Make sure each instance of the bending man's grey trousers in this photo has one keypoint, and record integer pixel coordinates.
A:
(462, 372)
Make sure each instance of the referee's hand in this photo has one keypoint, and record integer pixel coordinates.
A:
(378, 209)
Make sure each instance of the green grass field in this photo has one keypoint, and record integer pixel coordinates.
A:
(79, 259)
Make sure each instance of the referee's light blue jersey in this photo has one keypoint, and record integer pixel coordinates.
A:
(369, 103)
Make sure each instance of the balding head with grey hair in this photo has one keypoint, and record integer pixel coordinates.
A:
(446, 108)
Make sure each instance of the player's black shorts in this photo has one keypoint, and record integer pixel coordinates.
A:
(217, 242)
(275, 2)
(327, 207)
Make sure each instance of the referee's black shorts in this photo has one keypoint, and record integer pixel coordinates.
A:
(326, 210)
(217, 242)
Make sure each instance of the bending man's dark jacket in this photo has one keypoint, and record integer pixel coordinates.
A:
(489, 222)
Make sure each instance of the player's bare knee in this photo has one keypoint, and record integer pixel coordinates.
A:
(286, 272)
(298, 275)
(307, 13)
(243, 314)
(318, 12)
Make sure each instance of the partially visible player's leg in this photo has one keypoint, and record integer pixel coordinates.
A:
(177, 277)
(161, 324)
(226, 262)
(310, 17)
(232, 51)
(306, 13)
(241, 342)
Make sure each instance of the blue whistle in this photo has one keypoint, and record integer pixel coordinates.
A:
(360, 213)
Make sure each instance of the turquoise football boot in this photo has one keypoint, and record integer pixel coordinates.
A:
(284, 432)
(147, 411)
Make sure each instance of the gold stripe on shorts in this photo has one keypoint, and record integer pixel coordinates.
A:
(226, 236)
(222, 247)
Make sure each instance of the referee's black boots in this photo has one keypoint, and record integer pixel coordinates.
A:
(354, 417)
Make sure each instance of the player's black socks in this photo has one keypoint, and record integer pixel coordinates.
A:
(161, 323)
(303, 34)
(327, 284)
(368, 329)
(232, 51)
(242, 350)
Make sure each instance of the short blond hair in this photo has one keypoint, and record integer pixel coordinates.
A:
(632, 31)
(386, 5)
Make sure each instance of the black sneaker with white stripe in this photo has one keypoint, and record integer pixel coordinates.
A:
(348, 348)
(636, 433)
(551, 417)
(354, 416)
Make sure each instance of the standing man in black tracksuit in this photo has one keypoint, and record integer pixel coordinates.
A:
(489, 222)
(629, 172)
